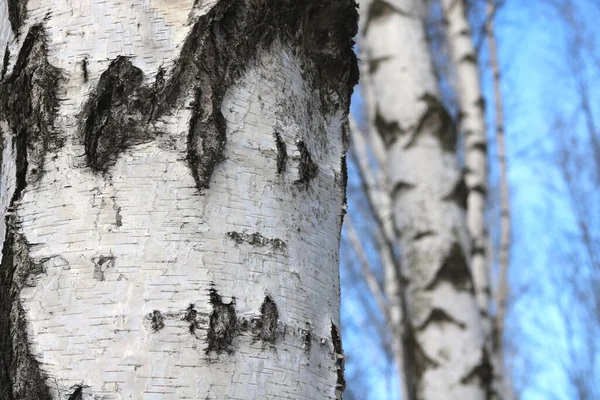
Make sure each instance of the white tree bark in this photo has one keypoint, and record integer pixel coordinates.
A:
(472, 124)
(446, 347)
(173, 181)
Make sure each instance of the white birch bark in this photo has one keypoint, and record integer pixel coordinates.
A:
(445, 344)
(472, 124)
(173, 180)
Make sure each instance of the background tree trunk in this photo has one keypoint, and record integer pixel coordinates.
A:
(173, 181)
(445, 343)
(472, 124)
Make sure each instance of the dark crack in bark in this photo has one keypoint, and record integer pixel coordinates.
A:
(307, 169)
(281, 153)
(222, 324)
(338, 354)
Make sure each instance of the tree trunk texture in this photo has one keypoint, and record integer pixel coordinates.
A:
(472, 124)
(445, 343)
(173, 180)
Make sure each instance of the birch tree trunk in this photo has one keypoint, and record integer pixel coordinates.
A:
(173, 181)
(445, 344)
(472, 124)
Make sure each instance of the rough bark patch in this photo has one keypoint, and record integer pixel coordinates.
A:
(20, 375)
(17, 10)
(256, 239)
(222, 324)
(307, 169)
(28, 103)
(269, 318)
(281, 153)
(338, 354)
(116, 114)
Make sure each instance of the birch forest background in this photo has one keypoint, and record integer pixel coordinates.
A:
(517, 82)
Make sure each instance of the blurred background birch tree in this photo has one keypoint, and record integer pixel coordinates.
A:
(505, 92)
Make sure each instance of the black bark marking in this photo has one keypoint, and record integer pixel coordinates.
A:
(307, 339)
(459, 193)
(17, 11)
(28, 103)
(5, 61)
(338, 354)
(436, 120)
(77, 393)
(454, 270)
(157, 321)
(256, 239)
(269, 318)
(21, 377)
(423, 234)
(222, 324)
(118, 217)
(440, 316)
(191, 317)
(400, 188)
(307, 168)
(281, 153)
(483, 372)
(116, 114)
(344, 172)
(389, 131)
(101, 264)
(84, 69)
